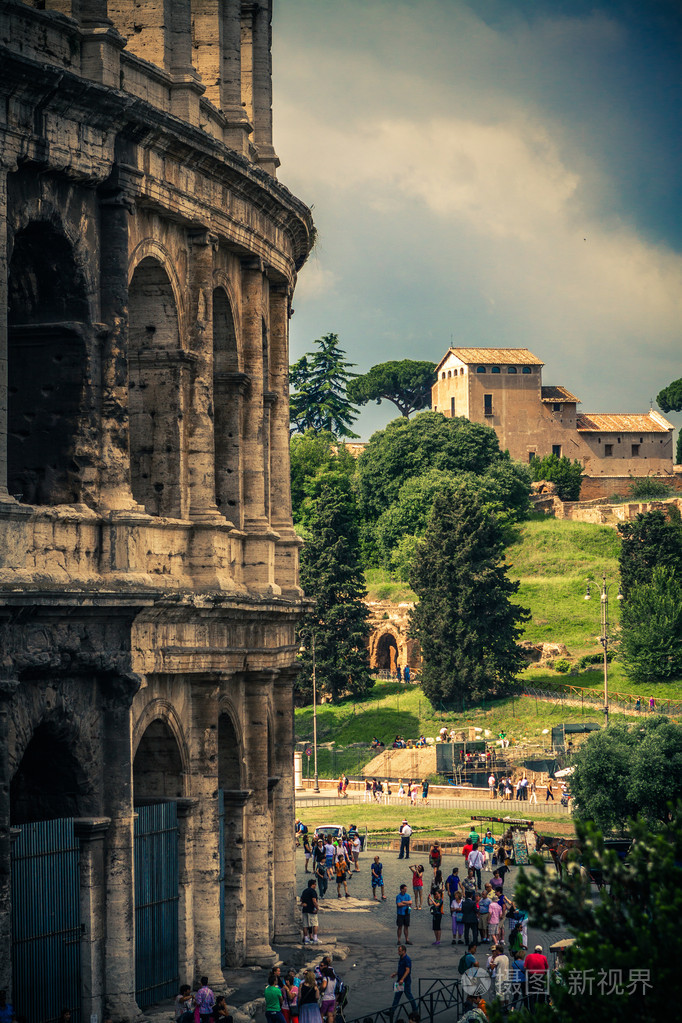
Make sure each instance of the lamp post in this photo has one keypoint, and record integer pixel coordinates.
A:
(316, 787)
(605, 637)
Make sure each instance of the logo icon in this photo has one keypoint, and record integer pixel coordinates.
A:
(476, 981)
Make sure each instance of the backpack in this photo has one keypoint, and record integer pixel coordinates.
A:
(463, 963)
(341, 993)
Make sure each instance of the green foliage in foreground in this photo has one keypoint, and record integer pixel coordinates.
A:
(631, 927)
(627, 771)
(651, 540)
(567, 475)
(466, 625)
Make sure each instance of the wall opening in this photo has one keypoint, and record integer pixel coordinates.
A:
(49, 782)
(226, 406)
(47, 318)
(157, 767)
(387, 652)
(158, 380)
(233, 861)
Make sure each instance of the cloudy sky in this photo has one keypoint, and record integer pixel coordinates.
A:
(495, 173)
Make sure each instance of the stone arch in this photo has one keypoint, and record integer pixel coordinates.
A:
(48, 325)
(386, 652)
(230, 750)
(226, 406)
(158, 769)
(150, 248)
(158, 379)
(49, 781)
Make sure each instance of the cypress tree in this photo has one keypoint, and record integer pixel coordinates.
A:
(332, 575)
(465, 622)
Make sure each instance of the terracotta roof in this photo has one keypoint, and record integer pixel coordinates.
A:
(494, 356)
(649, 422)
(558, 394)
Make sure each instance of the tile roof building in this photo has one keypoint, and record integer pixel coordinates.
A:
(502, 387)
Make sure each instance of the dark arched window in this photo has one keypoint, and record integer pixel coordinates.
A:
(480, 369)
(495, 369)
(527, 369)
(511, 369)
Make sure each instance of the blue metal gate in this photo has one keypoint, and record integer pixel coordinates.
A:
(46, 930)
(156, 903)
(221, 862)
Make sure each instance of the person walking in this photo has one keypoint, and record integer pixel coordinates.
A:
(308, 995)
(425, 792)
(307, 850)
(403, 902)
(377, 872)
(405, 832)
(533, 789)
(435, 857)
(491, 785)
(488, 848)
(436, 904)
(457, 921)
(652, 704)
(273, 1000)
(537, 976)
(204, 1000)
(470, 920)
(403, 982)
(495, 925)
(320, 870)
(549, 794)
(309, 909)
(356, 846)
(452, 884)
(341, 868)
(417, 884)
(475, 861)
(328, 994)
(484, 914)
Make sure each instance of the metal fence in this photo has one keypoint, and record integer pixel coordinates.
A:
(566, 694)
(156, 903)
(432, 997)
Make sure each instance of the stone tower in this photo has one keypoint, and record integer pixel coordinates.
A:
(149, 595)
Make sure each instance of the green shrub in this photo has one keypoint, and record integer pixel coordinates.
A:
(648, 489)
(562, 665)
(589, 659)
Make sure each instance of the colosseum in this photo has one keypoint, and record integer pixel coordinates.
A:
(149, 597)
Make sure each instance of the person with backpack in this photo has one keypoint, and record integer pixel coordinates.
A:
(457, 921)
(328, 994)
(435, 857)
(436, 904)
(468, 960)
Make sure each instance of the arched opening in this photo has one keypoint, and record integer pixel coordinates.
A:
(387, 652)
(49, 782)
(226, 408)
(157, 767)
(47, 320)
(232, 858)
(158, 381)
(267, 402)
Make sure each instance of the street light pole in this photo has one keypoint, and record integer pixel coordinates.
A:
(605, 637)
(317, 783)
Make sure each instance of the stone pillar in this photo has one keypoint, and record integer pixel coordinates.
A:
(289, 543)
(259, 543)
(116, 205)
(186, 808)
(237, 127)
(8, 687)
(298, 772)
(286, 930)
(119, 949)
(186, 87)
(101, 44)
(4, 496)
(261, 36)
(258, 950)
(205, 831)
(90, 832)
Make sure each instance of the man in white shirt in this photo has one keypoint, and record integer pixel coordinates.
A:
(475, 860)
(500, 966)
(405, 832)
(491, 785)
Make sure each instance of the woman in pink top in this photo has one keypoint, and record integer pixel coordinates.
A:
(495, 926)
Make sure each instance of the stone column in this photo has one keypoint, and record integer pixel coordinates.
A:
(90, 832)
(262, 85)
(186, 87)
(8, 687)
(205, 830)
(186, 808)
(119, 949)
(259, 543)
(298, 772)
(101, 44)
(4, 496)
(289, 543)
(286, 930)
(258, 950)
(116, 205)
(237, 127)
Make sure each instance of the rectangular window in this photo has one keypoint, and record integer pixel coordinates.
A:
(531, 456)
(556, 407)
(487, 404)
(452, 407)
(635, 450)
(608, 450)
(556, 450)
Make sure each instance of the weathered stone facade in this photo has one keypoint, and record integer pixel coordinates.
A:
(389, 642)
(149, 595)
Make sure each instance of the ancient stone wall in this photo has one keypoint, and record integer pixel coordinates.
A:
(149, 596)
(389, 642)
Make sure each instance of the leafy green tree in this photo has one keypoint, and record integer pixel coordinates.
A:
(332, 576)
(407, 384)
(465, 622)
(567, 475)
(670, 400)
(311, 454)
(629, 932)
(410, 447)
(651, 629)
(628, 770)
(651, 539)
(319, 381)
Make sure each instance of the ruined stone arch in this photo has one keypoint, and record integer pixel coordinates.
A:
(385, 650)
(227, 405)
(160, 755)
(231, 769)
(223, 279)
(159, 709)
(150, 248)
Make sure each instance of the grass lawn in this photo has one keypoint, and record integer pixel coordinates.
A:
(425, 821)
(380, 586)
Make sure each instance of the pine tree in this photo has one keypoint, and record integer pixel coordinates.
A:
(332, 575)
(319, 380)
(465, 622)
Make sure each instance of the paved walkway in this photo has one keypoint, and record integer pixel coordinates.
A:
(483, 804)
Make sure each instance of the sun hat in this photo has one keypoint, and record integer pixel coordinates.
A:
(538, 948)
